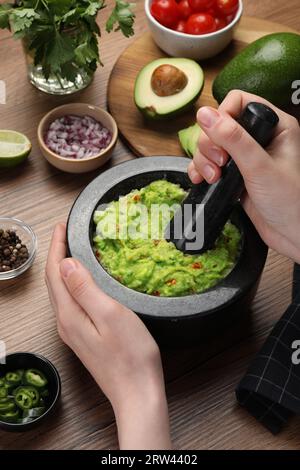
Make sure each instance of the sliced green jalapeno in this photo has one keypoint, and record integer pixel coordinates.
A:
(10, 416)
(32, 392)
(5, 400)
(21, 373)
(8, 387)
(35, 377)
(13, 378)
(23, 390)
(23, 399)
(7, 404)
(3, 392)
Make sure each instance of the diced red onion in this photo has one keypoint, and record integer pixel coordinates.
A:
(77, 137)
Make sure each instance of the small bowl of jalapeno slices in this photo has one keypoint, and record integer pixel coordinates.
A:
(29, 390)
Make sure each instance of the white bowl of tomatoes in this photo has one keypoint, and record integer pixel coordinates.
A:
(195, 29)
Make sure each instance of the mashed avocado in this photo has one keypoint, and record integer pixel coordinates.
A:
(151, 264)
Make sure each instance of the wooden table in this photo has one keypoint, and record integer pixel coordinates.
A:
(201, 380)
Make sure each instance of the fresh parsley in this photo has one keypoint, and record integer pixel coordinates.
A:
(121, 17)
(62, 35)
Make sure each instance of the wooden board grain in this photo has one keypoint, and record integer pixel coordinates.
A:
(146, 137)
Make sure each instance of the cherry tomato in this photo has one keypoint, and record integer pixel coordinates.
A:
(212, 11)
(165, 12)
(181, 26)
(220, 23)
(200, 23)
(227, 7)
(229, 18)
(184, 9)
(201, 5)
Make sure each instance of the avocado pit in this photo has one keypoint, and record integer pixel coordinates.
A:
(168, 80)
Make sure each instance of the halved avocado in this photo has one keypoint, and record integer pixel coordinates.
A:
(166, 87)
(189, 138)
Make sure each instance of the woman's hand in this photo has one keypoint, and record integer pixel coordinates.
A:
(114, 345)
(272, 176)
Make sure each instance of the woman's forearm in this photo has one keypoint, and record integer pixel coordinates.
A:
(143, 421)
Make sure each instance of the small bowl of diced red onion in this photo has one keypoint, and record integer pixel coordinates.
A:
(77, 137)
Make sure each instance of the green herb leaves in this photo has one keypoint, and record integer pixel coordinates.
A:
(123, 17)
(59, 52)
(4, 15)
(93, 8)
(22, 19)
(61, 35)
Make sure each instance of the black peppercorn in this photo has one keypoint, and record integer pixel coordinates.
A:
(13, 253)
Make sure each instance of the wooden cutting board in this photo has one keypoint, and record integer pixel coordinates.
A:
(145, 137)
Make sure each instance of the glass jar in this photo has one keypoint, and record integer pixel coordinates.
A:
(55, 84)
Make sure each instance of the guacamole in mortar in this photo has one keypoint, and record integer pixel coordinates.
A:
(151, 264)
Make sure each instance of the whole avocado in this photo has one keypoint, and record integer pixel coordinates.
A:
(267, 68)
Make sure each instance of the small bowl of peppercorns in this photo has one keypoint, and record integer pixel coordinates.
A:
(18, 246)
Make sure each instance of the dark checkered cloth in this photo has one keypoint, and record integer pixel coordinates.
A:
(270, 390)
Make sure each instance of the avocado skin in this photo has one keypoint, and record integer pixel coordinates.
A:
(266, 68)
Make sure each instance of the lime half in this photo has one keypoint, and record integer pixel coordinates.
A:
(14, 148)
